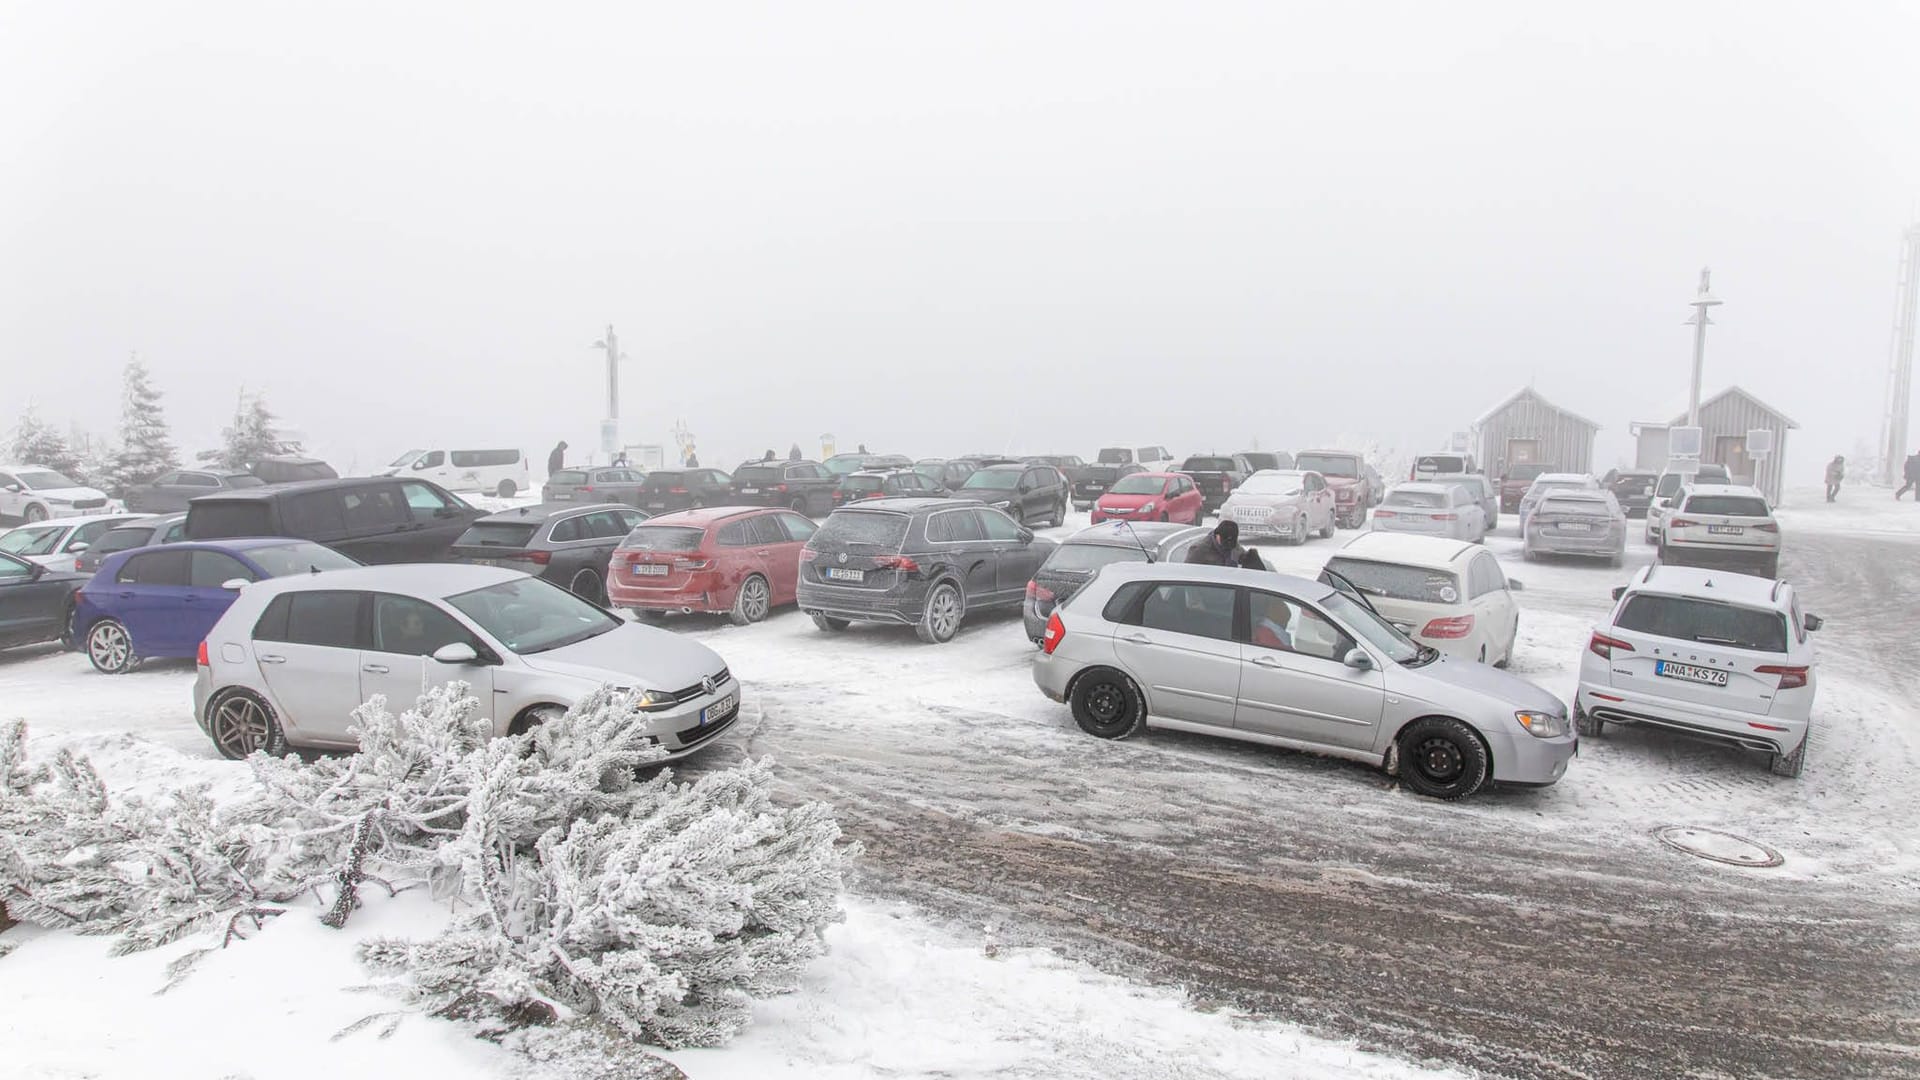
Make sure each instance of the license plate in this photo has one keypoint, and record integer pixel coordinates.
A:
(719, 710)
(1690, 673)
(1574, 526)
(650, 570)
(749, 491)
(656, 505)
(1096, 487)
(1725, 530)
(838, 573)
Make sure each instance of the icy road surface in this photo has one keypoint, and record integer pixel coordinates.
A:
(1525, 933)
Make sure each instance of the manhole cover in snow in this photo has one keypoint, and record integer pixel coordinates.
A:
(1718, 846)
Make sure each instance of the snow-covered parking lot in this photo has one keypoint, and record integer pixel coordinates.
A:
(1035, 902)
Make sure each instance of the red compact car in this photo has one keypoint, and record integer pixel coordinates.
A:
(743, 561)
(1151, 496)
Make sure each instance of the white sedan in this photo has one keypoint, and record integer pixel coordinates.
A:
(58, 545)
(1290, 504)
(33, 493)
(1444, 593)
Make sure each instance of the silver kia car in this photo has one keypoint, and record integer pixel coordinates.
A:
(1267, 658)
(293, 657)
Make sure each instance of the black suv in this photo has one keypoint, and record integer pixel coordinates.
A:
(1258, 460)
(1029, 494)
(1070, 465)
(1216, 475)
(169, 492)
(884, 484)
(566, 543)
(668, 490)
(291, 469)
(1095, 480)
(805, 487)
(373, 519)
(924, 563)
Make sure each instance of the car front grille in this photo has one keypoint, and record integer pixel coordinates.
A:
(700, 690)
(1252, 513)
(694, 736)
(89, 504)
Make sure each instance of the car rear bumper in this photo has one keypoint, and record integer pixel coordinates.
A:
(1774, 734)
(863, 605)
(1052, 675)
(694, 596)
(1599, 545)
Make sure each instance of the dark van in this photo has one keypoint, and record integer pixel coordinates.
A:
(372, 519)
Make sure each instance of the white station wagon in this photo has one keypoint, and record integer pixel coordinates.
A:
(1448, 594)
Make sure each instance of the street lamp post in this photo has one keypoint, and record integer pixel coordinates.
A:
(1703, 300)
(610, 428)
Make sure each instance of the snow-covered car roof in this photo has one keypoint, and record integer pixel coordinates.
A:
(1407, 549)
(1304, 588)
(1705, 584)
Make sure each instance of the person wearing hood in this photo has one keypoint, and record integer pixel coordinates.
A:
(558, 459)
(1836, 472)
(794, 454)
(1911, 474)
(1220, 548)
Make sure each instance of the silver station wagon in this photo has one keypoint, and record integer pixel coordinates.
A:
(1267, 658)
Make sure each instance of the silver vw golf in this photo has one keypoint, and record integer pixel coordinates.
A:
(293, 657)
(1267, 658)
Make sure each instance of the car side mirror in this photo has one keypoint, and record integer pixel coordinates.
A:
(13, 489)
(35, 571)
(1026, 536)
(1359, 660)
(458, 652)
(418, 465)
(1619, 591)
(235, 584)
(1516, 586)
(78, 546)
(1814, 622)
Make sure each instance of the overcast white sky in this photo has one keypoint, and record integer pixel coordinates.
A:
(937, 228)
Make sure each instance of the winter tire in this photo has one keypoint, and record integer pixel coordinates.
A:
(829, 623)
(1107, 705)
(36, 513)
(1772, 570)
(1326, 531)
(588, 586)
(241, 723)
(1164, 519)
(1442, 758)
(66, 627)
(110, 648)
(1789, 765)
(533, 716)
(1299, 536)
(799, 506)
(646, 615)
(1060, 514)
(1588, 725)
(752, 603)
(940, 620)
(506, 489)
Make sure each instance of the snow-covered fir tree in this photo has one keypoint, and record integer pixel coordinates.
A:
(36, 442)
(146, 445)
(251, 437)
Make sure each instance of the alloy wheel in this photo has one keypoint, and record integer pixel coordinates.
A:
(944, 612)
(754, 599)
(588, 586)
(109, 647)
(240, 726)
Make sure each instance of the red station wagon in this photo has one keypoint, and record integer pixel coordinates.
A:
(1151, 496)
(743, 561)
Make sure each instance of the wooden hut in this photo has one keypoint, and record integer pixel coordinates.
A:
(1527, 429)
(1725, 419)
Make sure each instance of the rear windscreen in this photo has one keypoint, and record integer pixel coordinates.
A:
(1399, 582)
(661, 481)
(1425, 500)
(280, 560)
(663, 538)
(1707, 622)
(860, 484)
(1573, 506)
(216, 520)
(1440, 465)
(1116, 457)
(756, 474)
(1207, 464)
(506, 534)
(1328, 465)
(862, 528)
(1083, 557)
(568, 476)
(1729, 505)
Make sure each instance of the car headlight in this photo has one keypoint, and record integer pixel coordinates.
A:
(1147, 509)
(654, 700)
(58, 501)
(1542, 725)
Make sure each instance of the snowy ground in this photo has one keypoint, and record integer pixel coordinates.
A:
(1034, 902)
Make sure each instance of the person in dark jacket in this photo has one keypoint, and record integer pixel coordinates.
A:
(1250, 560)
(1912, 476)
(558, 459)
(794, 454)
(1836, 472)
(769, 456)
(1220, 548)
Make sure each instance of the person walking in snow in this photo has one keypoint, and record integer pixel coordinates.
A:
(558, 459)
(1912, 476)
(1220, 548)
(1836, 472)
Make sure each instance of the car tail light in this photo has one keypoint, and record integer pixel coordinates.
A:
(1603, 646)
(1791, 678)
(1768, 527)
(1385, 513)
(808, 554)
(897, 562)
(1038, 592)
(200, 658)
(684, 562)
(541, 558)
(779, 487)
(585, 487)
(1682, 523)
(1056, 633)
(1453, 626)
(1446, 517)
(677, 491)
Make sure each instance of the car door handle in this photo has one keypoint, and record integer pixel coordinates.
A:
(126, 596)
(763, 553)
(377, 669)
(1267, 661)
(266, 659)
(1138, 639)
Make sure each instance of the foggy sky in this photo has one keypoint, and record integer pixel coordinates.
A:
(936, 229)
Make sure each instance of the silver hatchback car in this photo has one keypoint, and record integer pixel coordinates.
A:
(1267, 658)
(293, 657)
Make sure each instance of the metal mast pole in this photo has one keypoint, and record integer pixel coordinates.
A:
(1893, 421)
(1701, 302)
(610, 428)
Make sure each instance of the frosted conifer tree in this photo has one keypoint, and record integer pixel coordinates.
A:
(146, 446)
(251, 437)
(36, 442)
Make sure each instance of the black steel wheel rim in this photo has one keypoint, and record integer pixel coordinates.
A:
(1106, 703)
(1439, 759)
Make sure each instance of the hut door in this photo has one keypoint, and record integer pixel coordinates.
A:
(1523, 452)
(1731, 451)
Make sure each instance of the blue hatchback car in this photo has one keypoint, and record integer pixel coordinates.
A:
(161, 601)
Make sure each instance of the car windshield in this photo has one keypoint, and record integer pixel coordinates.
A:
(1728, 505)
(44, 479)
(1282, 484)
(33, 540)
(861, 528)
(407, 458)
(1329, 465)
(505, 534)
(1081, 558)
(283, 560)
(993, 480)
(529, 615)
(1116, 457)
(1377, 631)
(1423, 500)
(567, 476)
(1707, 622)
(1397, 582)
(664, 538)
(1207, 464)
(1440, 463)
(1138, 484)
